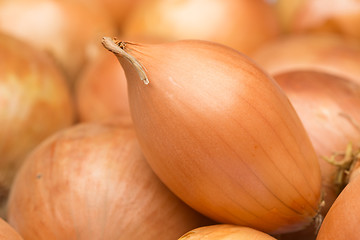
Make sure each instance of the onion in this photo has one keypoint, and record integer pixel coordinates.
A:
(101, 91)
(7, 232)
(323, 52)
(328, 107)
(225, 232)
(35, 102)
(67, 30)
(221, 134)
(241, 24)
(342, 220)
(92, 182)
(339, 16)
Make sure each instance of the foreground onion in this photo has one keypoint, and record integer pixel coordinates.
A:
(225, 232)
(324, 52)
(339, 16)
(221, 134)
(92, 182)
(7, 232)
(329, 107)
(35, 102)
(101, 91)
(68, 30)
(241, 24)
(342, 220)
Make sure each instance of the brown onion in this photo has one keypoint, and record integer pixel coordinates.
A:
(329, 107)
(92, 182)
(101, 91)
(225, 232)
(221, 134)
(342, 220)
(323, 52)
(35, 102)
(7, 232)
(338, 16)
(241, 24)
(68, 30)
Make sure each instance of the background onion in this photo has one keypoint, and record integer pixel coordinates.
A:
(225, 232)
(7, 232)
(221, 134)
(91, 181)
(338, 16)
(35, 102)
(241, 24)
(101, 90)
(68, 30)
(324, 52)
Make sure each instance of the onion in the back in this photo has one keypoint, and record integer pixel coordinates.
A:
(91, 181)
(35, 101)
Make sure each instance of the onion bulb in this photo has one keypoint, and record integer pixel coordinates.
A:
(241, 24)
(69, 31)
(7, 232)
(35, 102)
(342, 220)
(101, 91)
(337, 16)
(91, 181)
(225, 232)
(322, 52)
(221, 134)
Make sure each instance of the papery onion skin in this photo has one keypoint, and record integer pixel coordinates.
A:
(101, 91)
(241, 24)
(328, 106)
(35, 102)
(91, 181)
(342, 220)
(7, 232)
(337, 16)
(221, 134)
(69, 31)
(225, 232)
(321, 52)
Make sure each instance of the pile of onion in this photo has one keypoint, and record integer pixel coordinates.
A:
(91, 181)
(68, 30)
(7, 232)
(324, 52)
(101, 91)
(241, 24)
(225, 232)
(338, 16)
(221, 134)
(35, 102)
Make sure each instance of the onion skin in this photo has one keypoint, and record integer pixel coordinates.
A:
(91, 181)
(225, 232)
(35, 102)
(321, 52)
(7, 232)
(342, 220)
(226, 22)
(101, 91)
(70, 33)
(339, 16)
(219, 133)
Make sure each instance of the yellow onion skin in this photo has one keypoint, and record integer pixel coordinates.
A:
(7, 232)
(35, 102)
(322, 52)
(225, 232)
(328, 106)
(240, 24)
(342, 220)
(101, 91)
(68, 30)
(221, 134)
(91, 181)
(337, 16)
